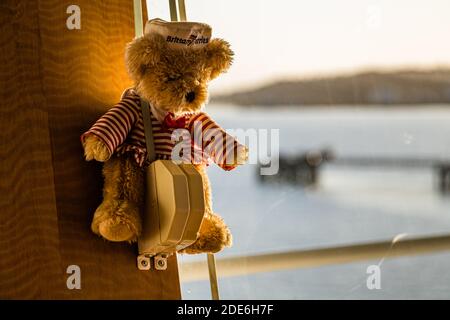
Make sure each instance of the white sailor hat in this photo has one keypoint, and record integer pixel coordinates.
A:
(179, 35)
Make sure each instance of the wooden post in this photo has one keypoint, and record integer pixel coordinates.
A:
(444, 177)
(54, 83)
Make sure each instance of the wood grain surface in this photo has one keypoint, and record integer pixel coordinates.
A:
(54, 84)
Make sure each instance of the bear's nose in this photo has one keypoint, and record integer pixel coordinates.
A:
(190, 96)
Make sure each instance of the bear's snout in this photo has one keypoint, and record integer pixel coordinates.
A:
(190, 96)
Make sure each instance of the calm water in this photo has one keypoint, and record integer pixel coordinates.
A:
(350, 204)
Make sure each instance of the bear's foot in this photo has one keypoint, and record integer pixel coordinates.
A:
(214, 235)
(117, 220)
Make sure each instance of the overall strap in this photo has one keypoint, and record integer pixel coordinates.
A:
(148, 131)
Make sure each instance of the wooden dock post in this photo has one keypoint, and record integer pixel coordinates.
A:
(444, 177)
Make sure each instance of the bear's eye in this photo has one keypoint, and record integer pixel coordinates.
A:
(173, 78)
(143, 69)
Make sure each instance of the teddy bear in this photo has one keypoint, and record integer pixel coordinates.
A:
(171, 66)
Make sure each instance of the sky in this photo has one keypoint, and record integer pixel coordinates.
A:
(289, 39)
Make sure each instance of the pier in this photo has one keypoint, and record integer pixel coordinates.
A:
(304, 169)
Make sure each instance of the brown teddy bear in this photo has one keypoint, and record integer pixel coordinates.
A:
(171, 66)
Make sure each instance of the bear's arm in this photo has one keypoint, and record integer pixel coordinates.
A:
(222, 148)
(115, 125)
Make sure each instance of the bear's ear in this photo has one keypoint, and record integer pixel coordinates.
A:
(218, 57)
(143, 53)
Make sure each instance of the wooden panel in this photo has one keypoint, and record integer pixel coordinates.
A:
(55, 83)
(29, 255)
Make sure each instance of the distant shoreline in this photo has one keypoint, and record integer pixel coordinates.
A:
(434, 106)
(407, 87)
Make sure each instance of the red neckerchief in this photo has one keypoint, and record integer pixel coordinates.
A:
(170, 122)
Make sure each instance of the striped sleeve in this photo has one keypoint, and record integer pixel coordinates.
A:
(216, 144)
(114, 126)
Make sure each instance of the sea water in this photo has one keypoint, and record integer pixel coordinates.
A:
(349, 205)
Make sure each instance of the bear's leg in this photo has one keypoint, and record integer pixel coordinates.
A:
(214, 234)
(118, 218)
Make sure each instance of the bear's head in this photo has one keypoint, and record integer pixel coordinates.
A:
(175, 79)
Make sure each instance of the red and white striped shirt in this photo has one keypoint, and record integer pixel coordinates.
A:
(122, 130)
